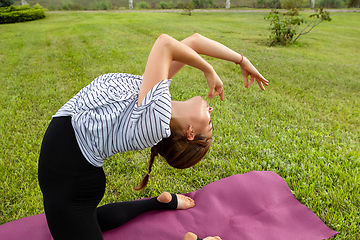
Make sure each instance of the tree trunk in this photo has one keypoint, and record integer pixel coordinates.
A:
(131, 4)
(227, 4)
(312, 4)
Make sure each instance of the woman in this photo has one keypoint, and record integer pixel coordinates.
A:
(124, 112)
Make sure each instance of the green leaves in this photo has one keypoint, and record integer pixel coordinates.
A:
(284, 29)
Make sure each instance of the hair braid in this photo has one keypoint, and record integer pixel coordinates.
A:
(154, 153)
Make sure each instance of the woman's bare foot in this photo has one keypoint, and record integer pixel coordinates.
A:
(184, 202)
(192, 236)
(212, 238)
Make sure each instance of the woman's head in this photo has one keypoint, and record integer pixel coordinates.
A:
(187, 144)
(193, 117)
(179, 152)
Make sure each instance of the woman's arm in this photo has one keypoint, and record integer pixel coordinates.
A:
(166, 50)
(208, 47)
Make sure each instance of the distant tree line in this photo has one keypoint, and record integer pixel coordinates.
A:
(179, 4)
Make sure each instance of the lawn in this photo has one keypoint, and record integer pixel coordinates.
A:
(304, 127)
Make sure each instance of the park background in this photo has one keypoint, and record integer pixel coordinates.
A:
(180, 4)
(304, 127)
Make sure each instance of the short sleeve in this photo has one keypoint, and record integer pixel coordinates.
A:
(151, 120)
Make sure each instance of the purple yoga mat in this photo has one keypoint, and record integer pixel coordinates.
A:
(255, 205)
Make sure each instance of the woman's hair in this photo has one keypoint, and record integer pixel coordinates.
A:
(178, 151)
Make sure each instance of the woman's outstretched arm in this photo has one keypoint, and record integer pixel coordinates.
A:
(166, 50)
(208, 47)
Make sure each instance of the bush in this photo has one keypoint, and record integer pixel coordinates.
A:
(23, 13)
(180, 5)
(6, 3)
(292, 4)
(189, 7)
(164, 5)
(354, 3)
(268, 4)
(101, 5)
(52, 7)
(332, 3)
(142, 5)
(203, 3)
(71, 6)
(284, 29)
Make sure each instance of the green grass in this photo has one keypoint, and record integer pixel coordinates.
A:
(304, 127)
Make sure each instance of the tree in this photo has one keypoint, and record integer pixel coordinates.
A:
(227, 4)
(312, 4)
(354, 3)
(6, 3)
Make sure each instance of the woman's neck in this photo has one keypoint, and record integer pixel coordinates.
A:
(178, 114)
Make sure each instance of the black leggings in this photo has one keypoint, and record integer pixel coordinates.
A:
(72, 188)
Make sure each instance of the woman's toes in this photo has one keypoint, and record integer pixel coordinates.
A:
(184, 202)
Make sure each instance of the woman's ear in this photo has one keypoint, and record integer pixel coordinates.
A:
(190, 135)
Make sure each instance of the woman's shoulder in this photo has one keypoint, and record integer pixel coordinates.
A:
(158, 92)
(119, 77)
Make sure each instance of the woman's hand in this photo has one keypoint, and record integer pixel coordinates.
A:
(215, 85)
(247, 69)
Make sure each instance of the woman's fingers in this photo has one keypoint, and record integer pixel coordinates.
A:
(245, 77)
(222, 95)
(260, 80)
(252, 80)
(248, 69)
(215, 86)
(217, 91)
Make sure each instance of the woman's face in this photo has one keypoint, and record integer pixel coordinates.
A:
(199, 112)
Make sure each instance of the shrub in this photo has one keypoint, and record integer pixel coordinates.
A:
(52, 7)
(142, 5)
(203, 3)
(284, 29)
(164, 5)
(23, 13)
(292, 4)
(101, 5)
(268, 4)
(71, 6)
(354, 3)
(332, 3)
(180, 5)
(188, 8)
(319, 17)
(6, 3)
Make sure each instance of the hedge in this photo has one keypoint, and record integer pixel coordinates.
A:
(22, 13)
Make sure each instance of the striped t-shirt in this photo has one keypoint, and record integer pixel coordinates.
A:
(107, 120)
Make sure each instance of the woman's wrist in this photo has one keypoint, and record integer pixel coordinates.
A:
(241, 59)
(244, 62)
(208, 70)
